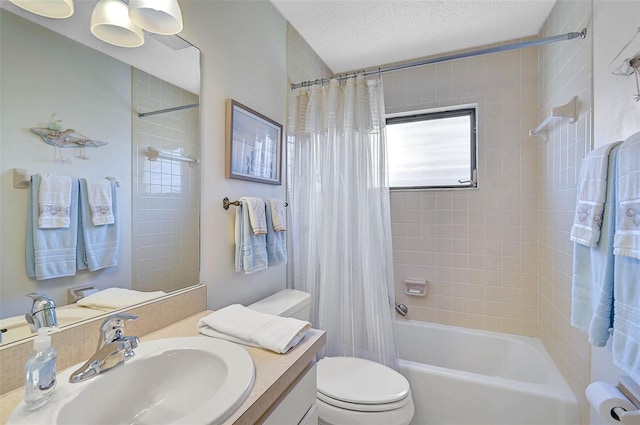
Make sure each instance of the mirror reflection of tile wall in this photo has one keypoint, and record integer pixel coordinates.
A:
(166, 193)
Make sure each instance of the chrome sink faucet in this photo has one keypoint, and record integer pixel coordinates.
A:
(43, 312)
(113, 348)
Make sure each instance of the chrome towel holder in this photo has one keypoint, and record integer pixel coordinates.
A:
(226, 203)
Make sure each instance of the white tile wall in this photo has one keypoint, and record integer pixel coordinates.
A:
(166, 194)
(477, 248)
(565, 71)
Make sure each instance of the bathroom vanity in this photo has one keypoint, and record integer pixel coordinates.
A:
(284, 388)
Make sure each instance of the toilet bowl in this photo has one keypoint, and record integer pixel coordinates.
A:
(351, 390)
(354, 391)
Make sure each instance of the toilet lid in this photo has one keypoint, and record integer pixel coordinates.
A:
(361, 381)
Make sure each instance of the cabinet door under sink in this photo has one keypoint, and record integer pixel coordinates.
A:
(299, 405)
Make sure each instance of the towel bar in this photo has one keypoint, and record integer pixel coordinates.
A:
(568, 110)
(226, 203)
(154, 153)
(22, 179)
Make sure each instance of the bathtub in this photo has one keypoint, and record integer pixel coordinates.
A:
(462, 376)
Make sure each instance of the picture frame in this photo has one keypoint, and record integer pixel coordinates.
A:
(253, 145)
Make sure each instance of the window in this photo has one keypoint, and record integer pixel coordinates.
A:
(432, 150)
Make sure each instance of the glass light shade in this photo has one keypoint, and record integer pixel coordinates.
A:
(159, 16)
(58, 9)
(110, 22)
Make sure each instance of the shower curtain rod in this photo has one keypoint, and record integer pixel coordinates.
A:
(506, 47)
(164, 111)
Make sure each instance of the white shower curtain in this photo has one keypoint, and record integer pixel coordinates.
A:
(341, 230)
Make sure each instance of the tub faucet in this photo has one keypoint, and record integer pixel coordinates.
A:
(402, 310)
(113, 348)
(43, 312)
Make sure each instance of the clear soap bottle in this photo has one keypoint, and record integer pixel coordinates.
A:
(40, 372)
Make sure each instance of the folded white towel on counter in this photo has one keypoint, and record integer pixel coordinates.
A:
(278, 214)
(240, 324)
(114, 298)
(592, 192)
(100, 202)
(54, 201)
(257, 217)
(627, 238)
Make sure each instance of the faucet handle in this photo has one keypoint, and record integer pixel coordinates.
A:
(112, 328)
(42, 313)
(40, 302)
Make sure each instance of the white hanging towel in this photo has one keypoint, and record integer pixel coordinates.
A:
(592, 192)
(278, 214)
(257, 217)
(54, 201)
(100, 202)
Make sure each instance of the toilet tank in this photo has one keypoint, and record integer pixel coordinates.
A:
(286, 303)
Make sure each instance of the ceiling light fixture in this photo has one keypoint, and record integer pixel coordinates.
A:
(58, 9)
(159, 16)
(116, 22)
(110, 22)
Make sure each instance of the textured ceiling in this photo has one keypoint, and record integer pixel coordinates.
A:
(358, 34)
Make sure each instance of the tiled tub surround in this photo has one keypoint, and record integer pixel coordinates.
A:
(565, 71)
(275, 373)
(166, 194)
(477, 247)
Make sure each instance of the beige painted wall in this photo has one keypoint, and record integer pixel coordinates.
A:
(243, 56)
(616, 113)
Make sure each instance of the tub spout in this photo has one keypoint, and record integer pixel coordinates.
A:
(402, 310)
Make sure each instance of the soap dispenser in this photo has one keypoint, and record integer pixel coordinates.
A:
(40, 372)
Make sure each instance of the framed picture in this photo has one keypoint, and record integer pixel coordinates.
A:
(254, 145)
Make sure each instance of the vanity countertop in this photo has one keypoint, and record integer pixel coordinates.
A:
(274, 372)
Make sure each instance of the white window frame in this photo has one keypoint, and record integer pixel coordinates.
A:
(428, 114)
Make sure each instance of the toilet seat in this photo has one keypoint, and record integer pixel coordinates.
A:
(361, 385)
(383, 407)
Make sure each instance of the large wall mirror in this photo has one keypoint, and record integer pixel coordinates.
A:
(51, 66)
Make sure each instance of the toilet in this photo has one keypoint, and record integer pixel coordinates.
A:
(351, 391)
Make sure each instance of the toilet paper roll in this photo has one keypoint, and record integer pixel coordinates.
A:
(604, 398)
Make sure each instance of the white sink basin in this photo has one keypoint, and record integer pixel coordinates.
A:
(191, 380)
